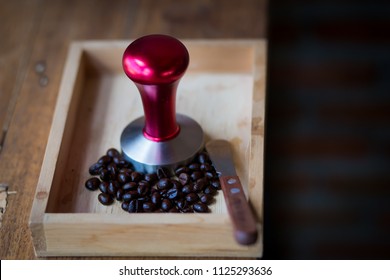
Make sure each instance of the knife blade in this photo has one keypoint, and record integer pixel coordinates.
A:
(244, 222)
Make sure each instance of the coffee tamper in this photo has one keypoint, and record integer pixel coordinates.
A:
(161, 138)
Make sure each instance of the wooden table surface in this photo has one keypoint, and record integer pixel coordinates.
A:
(34, 40)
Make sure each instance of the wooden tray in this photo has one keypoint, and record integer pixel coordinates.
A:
(223, 89)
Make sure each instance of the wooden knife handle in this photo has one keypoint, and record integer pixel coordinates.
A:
(241, 215)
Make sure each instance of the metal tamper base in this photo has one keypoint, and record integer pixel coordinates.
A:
(147, 156)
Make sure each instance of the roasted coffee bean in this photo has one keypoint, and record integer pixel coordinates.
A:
(200, 207)
(164, 184)
(151, 178)
(105, 199)
(194, 166)
(130, 195)
(209, 190)
(162, 173)
(131, 186)
(210, 175)
(173, 193)
(142, 189)
(123, 178)
(112, 152)
(215, 184)
(206, 198)
(119, 194)
(145, 183)
(189, 188)
(126, 171)
(200, 184)
(105, 160)
(135, 206)
(166, 204)
(113, 187)
(156, 198)
(125, 205)
(196, 175)
(104, 174)
(182, 169)
(203, 158)
(111, 167)
(182, 203)
(176, 184)
(192, 197)
(187, 210)
(103, 187)
(119, 161)
(95, 168)
(173, 210)
(148, 207)
(158, 210)
(136, 176)
(206, 167)
(92, 184)
(184, 178)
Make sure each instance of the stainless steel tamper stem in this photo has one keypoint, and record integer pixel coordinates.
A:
(161, 138)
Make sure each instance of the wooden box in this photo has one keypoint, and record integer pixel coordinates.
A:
(223, 89)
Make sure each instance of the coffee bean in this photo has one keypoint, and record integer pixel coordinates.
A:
(123, 178)
(215, 184)
(176, 184)
(206, 167)
(113, 187)
(142, 189)
(135, 206)
(162, 173)
(111, 167)
(182, 169)
(206, 199)
(210, 175)
(158, 210)
(173, 210)
(126, 171)
(103, 187)
(112, 152)
(182, 203)
(164, 183)
(196, 175)
(104, 174)
(125, 205)
(156, 198)
(119, 161)
(200, 184)
(105, 199)
(200, 207)
(209, 190)
(203, 158)
(189, 188)
(192, 197)
(131, 186)
(148, 207)
(104, 160)
(136, 176)
(173, 193)
(95, 168)
(187, 210)
(119, 194)
(194, 166)
(184, 178)
(92, 184)
(166, 204)
(130, 195)
(151, 178)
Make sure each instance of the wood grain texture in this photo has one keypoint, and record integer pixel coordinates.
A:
(45, 35)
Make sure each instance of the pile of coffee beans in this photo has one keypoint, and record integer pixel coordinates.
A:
(191, 189)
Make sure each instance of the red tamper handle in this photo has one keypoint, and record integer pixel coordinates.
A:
(155, 63)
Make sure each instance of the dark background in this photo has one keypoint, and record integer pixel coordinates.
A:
(327, 162)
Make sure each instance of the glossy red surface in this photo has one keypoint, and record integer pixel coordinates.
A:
(155, 63)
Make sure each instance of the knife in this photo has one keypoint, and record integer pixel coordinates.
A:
(244, 223)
